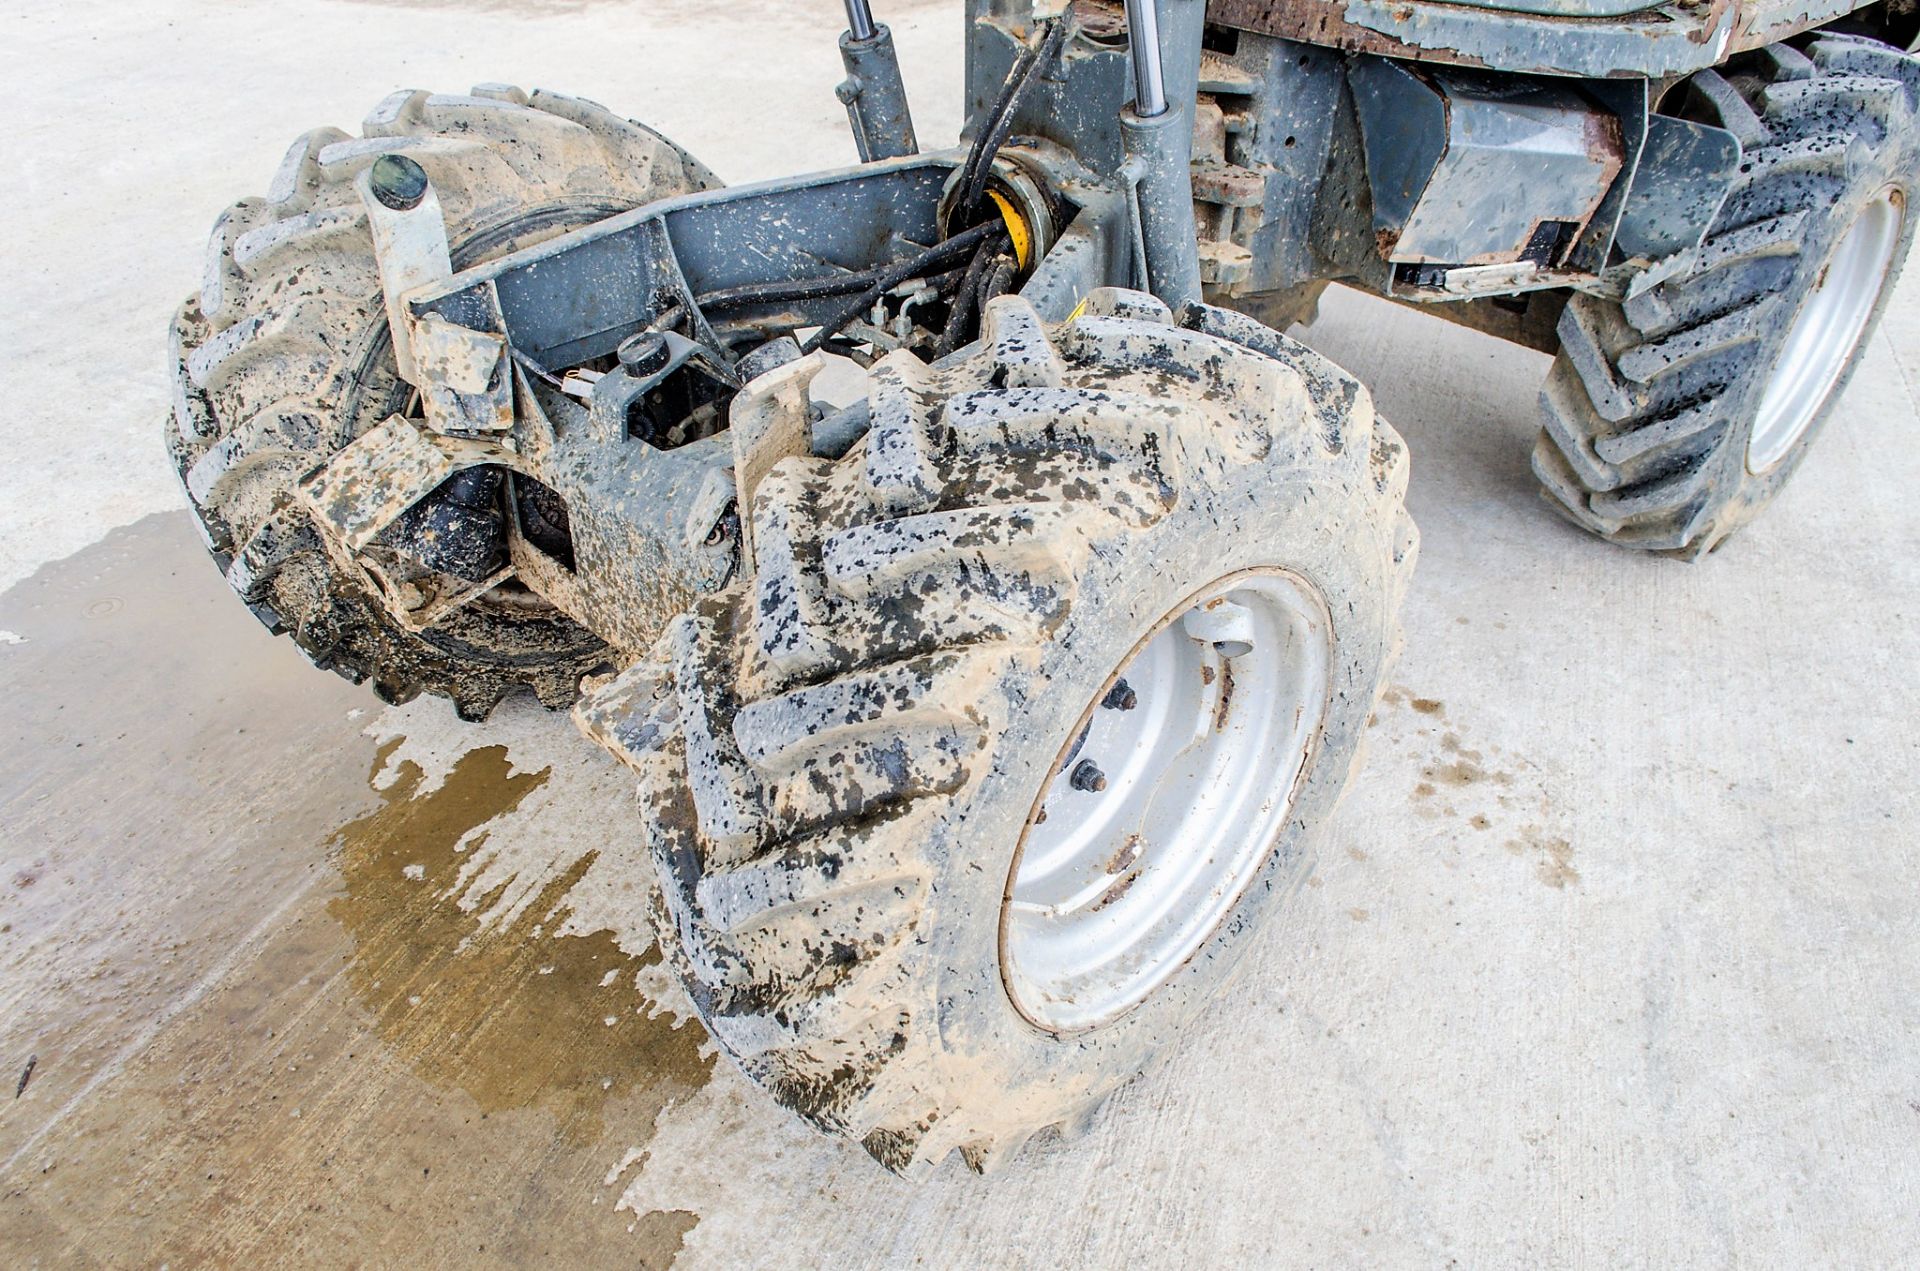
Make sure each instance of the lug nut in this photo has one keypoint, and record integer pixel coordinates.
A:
(1087, 776)
(1120, 697)
(398, 182)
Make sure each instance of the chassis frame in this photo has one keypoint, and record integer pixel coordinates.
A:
(1261, 150)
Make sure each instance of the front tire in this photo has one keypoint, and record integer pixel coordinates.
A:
(843, 755)
(283, 358)
(1674, 417)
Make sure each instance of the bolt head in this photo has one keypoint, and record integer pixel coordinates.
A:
(398, 182)
(1087, 776)
(643, 354)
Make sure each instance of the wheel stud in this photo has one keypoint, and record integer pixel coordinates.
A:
(1087, 776)
(1120, 697)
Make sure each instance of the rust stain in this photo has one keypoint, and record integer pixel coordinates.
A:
(1225, 707)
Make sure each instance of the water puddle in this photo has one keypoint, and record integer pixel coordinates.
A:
(513, 1014)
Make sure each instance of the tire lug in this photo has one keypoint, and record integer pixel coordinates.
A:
(1087, 776)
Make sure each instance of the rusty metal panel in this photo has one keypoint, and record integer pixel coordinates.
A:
(1644, 41)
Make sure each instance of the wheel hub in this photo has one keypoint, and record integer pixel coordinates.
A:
(1167, 799)
(1823, 337)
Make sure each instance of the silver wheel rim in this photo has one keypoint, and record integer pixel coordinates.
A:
(1168, 800)
(1823, 337)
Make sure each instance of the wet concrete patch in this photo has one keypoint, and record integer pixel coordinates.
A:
(169, 769)
(263, 1028)
(513, 1016)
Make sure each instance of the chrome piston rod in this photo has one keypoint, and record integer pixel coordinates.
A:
(859, 19)
(1143, 43)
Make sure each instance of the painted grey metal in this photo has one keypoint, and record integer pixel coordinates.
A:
(1074, 105)
(1404, 124)
(576, 296)
(409, 241)
(1159, 144)
(1647, 41)
(1683, 178)
(874, 94)
(1158, 157)
(649, 527)
(1087, 254)
(1468, 169)
(1630, 103)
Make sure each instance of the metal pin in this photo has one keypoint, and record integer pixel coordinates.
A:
(398, 182)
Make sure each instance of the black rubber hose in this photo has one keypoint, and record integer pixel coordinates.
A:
(993, 134)
(926, 262)
(976, 153)
(784, 290)
(967, 299)
(998, 282)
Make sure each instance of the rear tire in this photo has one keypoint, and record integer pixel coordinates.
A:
(1666, 428)
(843, 754)
(284, 357)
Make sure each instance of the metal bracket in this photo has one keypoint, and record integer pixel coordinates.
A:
(409, 242)
(769, 422)
(389, 468)
(465, 377)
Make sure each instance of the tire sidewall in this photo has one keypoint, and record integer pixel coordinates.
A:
(1292, 519)
(1870, 170)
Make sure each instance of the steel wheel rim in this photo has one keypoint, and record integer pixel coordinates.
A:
(1827, 331)
(1114, 889)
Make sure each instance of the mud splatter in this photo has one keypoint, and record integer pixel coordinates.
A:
(512, 1015)
(1553, 864)
(1467, 777)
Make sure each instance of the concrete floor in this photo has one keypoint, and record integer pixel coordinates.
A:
(1609, 959)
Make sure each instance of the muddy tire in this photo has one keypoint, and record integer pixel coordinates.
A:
(284, 357)
(847, 756)
(1673, 418)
